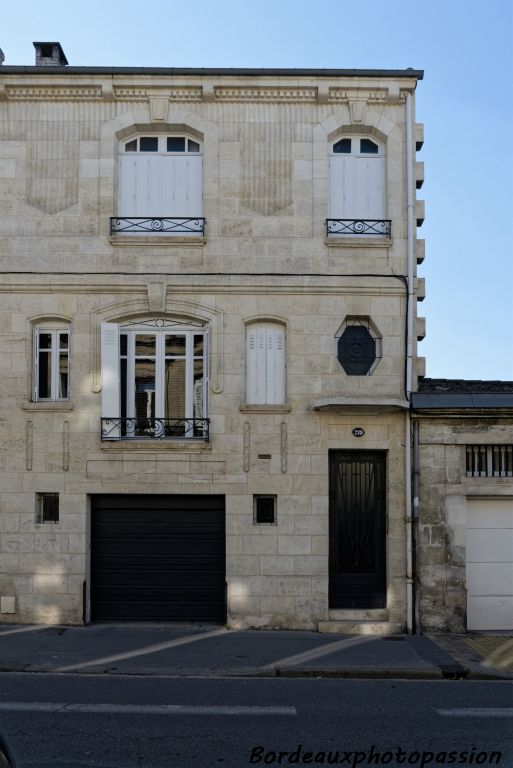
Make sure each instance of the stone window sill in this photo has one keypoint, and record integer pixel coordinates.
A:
(156, 240)
(184, 446)
(369, 241)
(247, 408)
(48, 406)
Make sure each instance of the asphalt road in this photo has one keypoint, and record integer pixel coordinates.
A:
(141, 722)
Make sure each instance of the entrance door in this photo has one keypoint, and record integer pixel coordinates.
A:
(357, 529)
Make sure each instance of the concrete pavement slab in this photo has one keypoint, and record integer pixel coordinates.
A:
(212, 650)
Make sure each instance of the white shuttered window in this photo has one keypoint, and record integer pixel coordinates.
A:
(357, 179)
(265, 363)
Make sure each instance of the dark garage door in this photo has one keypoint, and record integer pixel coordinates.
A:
(158, 558)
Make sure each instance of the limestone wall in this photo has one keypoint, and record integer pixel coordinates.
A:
(444, 491)
(264, 255)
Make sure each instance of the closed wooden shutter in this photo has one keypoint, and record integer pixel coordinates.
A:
(160, 185)
(110, 371)
(357, 187)
(265, 364)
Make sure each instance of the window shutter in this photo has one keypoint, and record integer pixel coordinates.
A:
(35, 365)
(110, 373)
(251, 365)
(265, 364)
(195, 191)
(279, 367)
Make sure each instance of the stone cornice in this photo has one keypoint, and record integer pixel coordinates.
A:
(109, 90)
(136, 283)
(53, 92)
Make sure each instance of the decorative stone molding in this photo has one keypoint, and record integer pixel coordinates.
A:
(30, 445)
(261, 93)
(54, 93)
(159, 107)
(134, 93)
(130, 94)
(65, 446)
(345, 95)
(157, 296)
(284, 447)
(358, 109)
(246, 446)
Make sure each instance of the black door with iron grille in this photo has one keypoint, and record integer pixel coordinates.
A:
(158, 558)
(357, 529)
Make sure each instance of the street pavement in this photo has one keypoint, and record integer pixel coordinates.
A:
(207, 650)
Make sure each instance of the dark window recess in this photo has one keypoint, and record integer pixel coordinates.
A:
(176, 144)
(149, 144)
(264, 510)
(193, 146)
(369, 147)
(131, 146)
(356, 350)
(46, 51)
(47, 510)
(489, 460)
(342, 146)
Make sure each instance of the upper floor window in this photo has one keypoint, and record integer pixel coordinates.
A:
(265, 363)
(51, 362)
(154, 380)
(357, 186)
(160, 185)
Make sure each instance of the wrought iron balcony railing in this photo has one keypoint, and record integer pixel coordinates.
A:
(163, 225)
(139, 428)
(359, 227)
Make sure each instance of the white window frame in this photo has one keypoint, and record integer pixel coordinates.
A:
(160, 184)
(334, 211)
(54, 332)
(111, 367)
(266, 363)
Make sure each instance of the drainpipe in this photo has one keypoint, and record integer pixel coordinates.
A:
(409, 559)
(416, 478)
(409, 364)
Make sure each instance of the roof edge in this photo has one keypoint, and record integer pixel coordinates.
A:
(417, 74)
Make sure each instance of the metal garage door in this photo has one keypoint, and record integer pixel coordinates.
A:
(158, 558)
(490, 564)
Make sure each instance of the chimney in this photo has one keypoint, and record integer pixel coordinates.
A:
(49, 55)
(2, 57)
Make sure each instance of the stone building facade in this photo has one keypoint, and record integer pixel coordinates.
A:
(208, 345)
(464, 441)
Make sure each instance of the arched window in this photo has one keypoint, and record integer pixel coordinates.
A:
(357, 180)
(160, 177)
(265, 363)
(154, 380)
(51, 361)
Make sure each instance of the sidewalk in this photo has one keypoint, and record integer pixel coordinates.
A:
(206, 650)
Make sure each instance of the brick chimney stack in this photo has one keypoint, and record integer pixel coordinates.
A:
(50, 55)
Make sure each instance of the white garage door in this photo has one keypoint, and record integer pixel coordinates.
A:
(490, 564)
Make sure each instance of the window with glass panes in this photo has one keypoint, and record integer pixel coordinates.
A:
(51, 363)
(162, 375)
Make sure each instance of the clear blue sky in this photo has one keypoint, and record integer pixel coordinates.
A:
(465, 101)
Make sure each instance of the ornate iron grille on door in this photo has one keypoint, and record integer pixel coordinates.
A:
(357, 530)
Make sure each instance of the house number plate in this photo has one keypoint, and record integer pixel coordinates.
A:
(358, 432)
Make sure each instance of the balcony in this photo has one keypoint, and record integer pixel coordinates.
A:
(352, 227)
(139, 428)
(157, 225)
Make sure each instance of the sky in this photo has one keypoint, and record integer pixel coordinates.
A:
(465, 48)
